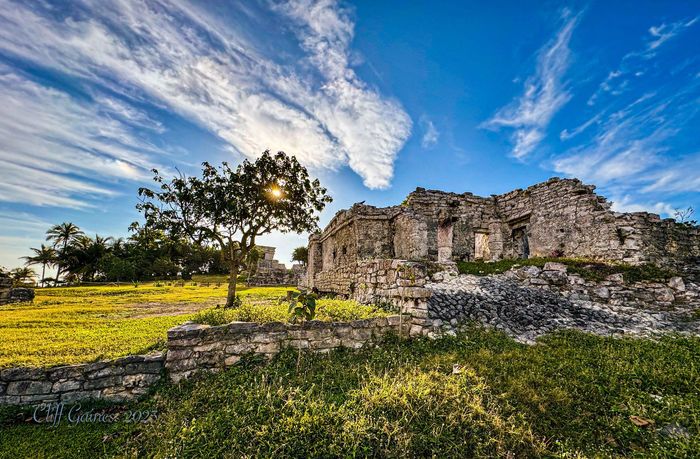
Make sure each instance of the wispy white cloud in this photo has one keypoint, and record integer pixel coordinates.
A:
(635, 63)
(430, 133)
(187, 60)
(57, 151)
(544, 94)
(660, 34)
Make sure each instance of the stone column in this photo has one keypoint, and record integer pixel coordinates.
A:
(315, 262)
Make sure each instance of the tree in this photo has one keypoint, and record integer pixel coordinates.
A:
(684, 216)
(43, 256)
(83, 256)
(301, 254)
(61, 235)
(232, 207)
(21, 275)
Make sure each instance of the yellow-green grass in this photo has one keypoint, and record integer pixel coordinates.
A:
(265, 311)
(71, 325)
(83, 324)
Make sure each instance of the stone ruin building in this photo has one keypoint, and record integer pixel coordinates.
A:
(8, 294)
(405, 256)
(271, 272)
(557, 218)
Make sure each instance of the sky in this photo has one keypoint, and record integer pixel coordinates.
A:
(374, 98)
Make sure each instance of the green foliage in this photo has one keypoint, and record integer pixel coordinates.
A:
(588, 269)
(571, 395)
(23, 275)
(274, 310)
(230, 208)
(301, 254)
(302, 306)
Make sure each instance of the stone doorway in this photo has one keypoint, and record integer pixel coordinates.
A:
(481, 246)
(444, 241)
(520, 243)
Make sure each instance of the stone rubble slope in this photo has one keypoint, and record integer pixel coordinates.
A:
(528, 302)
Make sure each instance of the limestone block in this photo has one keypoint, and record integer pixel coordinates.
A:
(101, 383)
(665, 295)
(552, 266)
(22, 373)
(28, 387)
(677, 284)
(66, 386)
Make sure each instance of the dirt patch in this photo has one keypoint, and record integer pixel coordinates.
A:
(154, 309)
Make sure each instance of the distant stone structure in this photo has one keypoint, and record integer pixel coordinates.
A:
(560, 218)
(271, 272)
(8, 294)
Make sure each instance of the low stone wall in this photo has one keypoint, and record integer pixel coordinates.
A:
(528, 302)
(400, 283)
(5, 289)
(8, 294)
(116, 381)
(194, 347)
(613, 290)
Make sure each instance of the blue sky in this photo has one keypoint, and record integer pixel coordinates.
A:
(375, 98)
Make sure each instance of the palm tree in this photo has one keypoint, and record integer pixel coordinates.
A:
(62, 235)
(20, 275)
(43, 256)
(83, 255)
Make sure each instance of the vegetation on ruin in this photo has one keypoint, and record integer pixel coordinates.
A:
(588, 269)
(477, 395)
(82, 324)
(327, 309)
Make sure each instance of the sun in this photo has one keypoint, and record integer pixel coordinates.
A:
(276, 192)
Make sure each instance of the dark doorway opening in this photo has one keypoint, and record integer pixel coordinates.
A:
(520, 242)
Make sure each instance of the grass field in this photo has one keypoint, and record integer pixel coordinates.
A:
(571, 395)
(82, 324)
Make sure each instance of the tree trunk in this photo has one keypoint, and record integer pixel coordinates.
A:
(43, 272)
(233, 277)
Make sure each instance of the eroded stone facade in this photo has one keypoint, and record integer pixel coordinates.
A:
(560, 217)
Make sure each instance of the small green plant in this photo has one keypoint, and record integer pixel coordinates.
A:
(302, 306)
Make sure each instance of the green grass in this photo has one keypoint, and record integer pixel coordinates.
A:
(82, 324)
(571, 395)
(588, 269)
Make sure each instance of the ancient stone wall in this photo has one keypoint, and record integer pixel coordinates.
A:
(116, 381)
(193, 348)
(551, 219)
(398, 283)
(528, 302)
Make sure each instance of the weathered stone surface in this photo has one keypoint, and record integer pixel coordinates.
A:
(66, 386)
(121, 379)
(526, 307)
(8, 294)
(222, 346)
(28, 387)
(559, 217)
